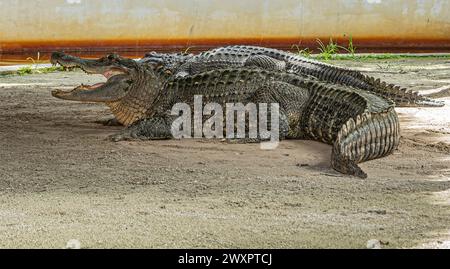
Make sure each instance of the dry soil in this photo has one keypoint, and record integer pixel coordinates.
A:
(61, 179)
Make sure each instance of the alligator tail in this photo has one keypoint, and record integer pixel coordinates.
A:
(360, 125)
(366, 137)
(401, 96)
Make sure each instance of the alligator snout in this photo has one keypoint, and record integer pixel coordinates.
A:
(63, 59)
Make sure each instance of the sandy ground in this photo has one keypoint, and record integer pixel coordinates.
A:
(61, 179)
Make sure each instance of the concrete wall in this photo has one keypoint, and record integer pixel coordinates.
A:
(95, 23)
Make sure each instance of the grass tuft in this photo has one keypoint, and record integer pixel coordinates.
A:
(25, 70)
(306, 52)
(351, 49)
(327, 51)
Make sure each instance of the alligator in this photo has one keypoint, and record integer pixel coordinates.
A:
(359, 125)
(268, 58)
(170, 61)
(127, 105)
(128, 110)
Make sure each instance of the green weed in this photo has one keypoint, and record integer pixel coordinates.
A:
(51, 69)
(25, 70)
(29, 69)
(327, 51)
(351, 49)
(306, 52)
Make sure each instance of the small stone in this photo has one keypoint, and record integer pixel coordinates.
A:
(373, 244)
(73, 244)
(378, 211)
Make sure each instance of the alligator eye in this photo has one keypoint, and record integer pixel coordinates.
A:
(112, 57)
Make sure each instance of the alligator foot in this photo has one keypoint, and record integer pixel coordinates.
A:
(156, 128)
(108, 121)
(130, 136)
(125, 135)
(243, 140)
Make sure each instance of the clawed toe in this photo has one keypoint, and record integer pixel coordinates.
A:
(124, 136)
(108, 122)
(243, 140)
(116, 138)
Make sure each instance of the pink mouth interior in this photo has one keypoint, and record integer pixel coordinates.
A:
(111, 73)
(107, 74)
(95, 86)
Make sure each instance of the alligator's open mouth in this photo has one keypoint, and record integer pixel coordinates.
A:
(117, 79)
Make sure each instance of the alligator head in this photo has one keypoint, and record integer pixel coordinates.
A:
(116, 70)
(169, 61)
(129, 88)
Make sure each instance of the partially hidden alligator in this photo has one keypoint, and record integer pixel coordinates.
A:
(128, 110)
(273, 59)
(359, 125)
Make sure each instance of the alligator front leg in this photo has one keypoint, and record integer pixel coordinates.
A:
(154, 128)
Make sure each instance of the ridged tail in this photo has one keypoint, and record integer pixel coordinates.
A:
(360, 125)
(369, 136)
(326, 72)
(401, 96)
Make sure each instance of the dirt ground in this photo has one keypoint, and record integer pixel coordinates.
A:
(61, 179)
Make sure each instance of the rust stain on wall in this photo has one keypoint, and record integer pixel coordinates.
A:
(18, 52)
(364, 44)
(133, 26)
